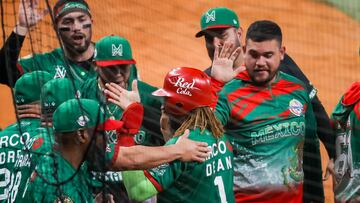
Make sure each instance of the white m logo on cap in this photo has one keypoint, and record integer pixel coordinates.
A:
(210, 17)
(117, 50)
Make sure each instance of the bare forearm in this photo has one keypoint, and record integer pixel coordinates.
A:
(141, 157)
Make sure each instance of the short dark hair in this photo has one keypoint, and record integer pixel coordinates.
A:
(263, 30)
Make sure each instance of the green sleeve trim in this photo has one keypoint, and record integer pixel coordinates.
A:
(138, 186)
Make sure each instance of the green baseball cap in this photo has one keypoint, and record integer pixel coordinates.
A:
(28, 87)
(76, 114)
(55, 92)
(113, 50)
(220, 17)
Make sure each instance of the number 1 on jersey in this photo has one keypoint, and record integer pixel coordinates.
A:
(220, 184)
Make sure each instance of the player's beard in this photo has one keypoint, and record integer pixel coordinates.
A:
(76, 50)
(265, 82)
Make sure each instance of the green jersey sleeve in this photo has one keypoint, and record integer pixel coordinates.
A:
(138, 186)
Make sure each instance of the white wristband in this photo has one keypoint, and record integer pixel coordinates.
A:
(20, 30)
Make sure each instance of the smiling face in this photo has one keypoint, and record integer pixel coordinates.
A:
(75, 31)
(262, 60)
(118, 74)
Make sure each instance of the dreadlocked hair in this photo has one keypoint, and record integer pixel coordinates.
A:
(203, 118)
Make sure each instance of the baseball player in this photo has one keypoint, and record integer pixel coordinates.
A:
(268, 115)
(42, 140)
(187, 95)
(113, 60)
(63, 177)
(73, 22)
(346, 123)
(221, 25)
(17, 139)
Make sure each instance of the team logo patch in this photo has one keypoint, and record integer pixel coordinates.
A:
(210, 17)
(234, 21)
(60, 71)
(37, 143)
(117, 51)
(296, 107)
(183, 87)
(82, 120)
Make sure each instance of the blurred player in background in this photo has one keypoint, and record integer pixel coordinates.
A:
(346, 123)
(18, 139)
(187, 95)
(268, 118)
(220, 26)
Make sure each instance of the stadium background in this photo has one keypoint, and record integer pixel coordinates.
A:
(322, 39)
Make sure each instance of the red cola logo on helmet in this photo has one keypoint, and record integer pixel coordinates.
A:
(184, 87)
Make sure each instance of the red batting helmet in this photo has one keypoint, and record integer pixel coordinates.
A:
(185, 89)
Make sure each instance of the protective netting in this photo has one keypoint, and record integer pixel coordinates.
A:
(323, 40)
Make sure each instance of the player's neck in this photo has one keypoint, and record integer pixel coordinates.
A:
(74, 155)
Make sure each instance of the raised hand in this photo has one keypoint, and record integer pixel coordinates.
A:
(29, 13)
(120, 96)
(191, 150)
(222, 66)
(29, 110)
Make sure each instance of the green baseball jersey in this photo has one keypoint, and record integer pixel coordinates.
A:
(54, 63)
(56, 180)
(17, 157)
(150, 128)
(267, 127)
(149, 134)
(210, 181)
(346, 123)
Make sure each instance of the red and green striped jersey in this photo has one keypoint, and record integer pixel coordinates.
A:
(210, 181)
(267, 127)
(346, 123)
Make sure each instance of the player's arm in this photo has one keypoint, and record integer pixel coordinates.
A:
(29, 15)
(142, 185)
(143, 157)
(324, 131)
(313, 188)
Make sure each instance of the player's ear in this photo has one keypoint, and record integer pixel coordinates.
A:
(282, 52)
(239, 33)
(82, 136)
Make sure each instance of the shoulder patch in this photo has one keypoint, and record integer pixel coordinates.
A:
(37, 143)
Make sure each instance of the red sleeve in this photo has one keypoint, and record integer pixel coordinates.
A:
(216, 87)
(352, 95)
